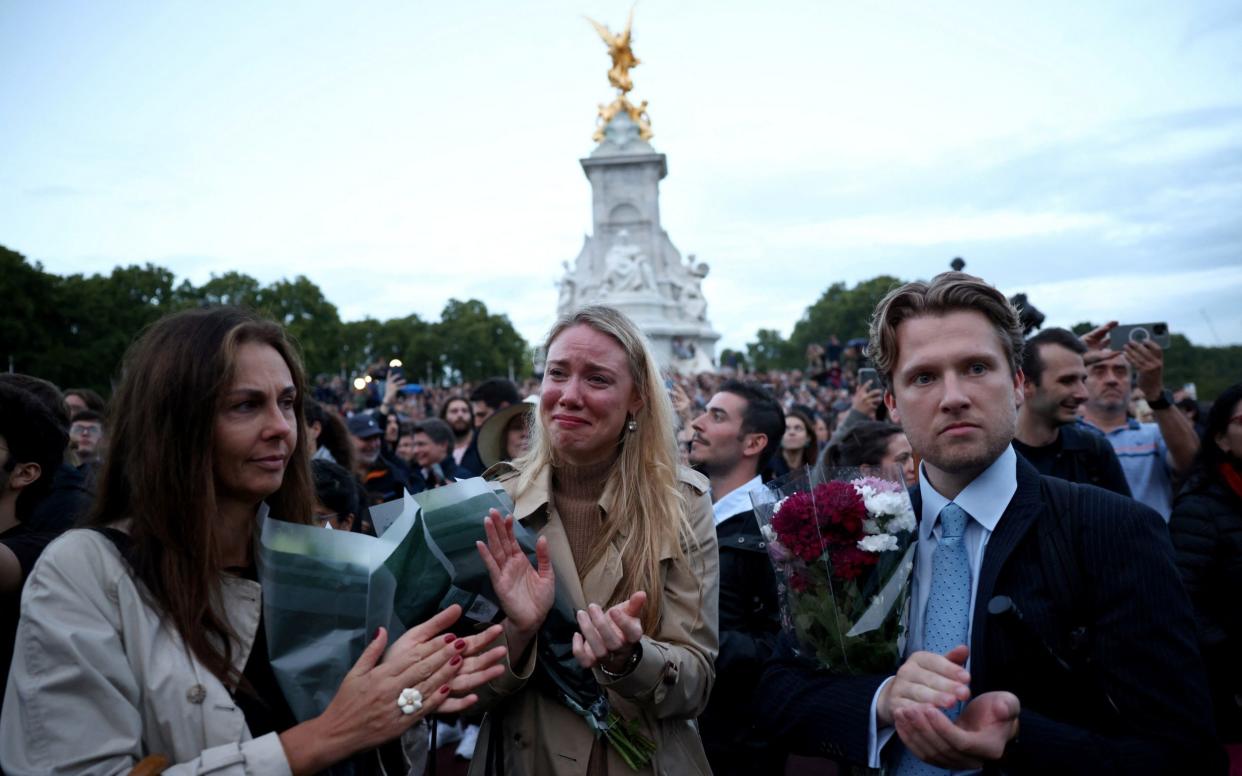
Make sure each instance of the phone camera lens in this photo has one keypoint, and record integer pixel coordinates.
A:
(1139, 335)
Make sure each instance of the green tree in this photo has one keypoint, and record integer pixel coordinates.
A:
(845, 312)
(478, 344)
(770, 351)
(311, 320)
(30, 317)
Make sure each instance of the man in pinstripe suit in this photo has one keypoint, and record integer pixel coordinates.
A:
(1074, 644)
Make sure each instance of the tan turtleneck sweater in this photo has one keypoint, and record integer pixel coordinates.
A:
(576, 491)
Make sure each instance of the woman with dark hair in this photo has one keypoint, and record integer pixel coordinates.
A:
(1206, 528)
(328, 436)
(873, 443)
(799, 446)
(631, 537)
(337, 502)
(143, 634)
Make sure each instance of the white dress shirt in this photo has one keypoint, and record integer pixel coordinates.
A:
(736, 501)
(985, 499)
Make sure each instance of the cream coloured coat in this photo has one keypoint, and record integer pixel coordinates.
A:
(100, 681)
(665, 692)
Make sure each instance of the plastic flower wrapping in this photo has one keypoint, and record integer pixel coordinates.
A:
(842, 543)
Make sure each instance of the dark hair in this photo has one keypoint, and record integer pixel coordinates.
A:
(42, 390)
(438, 430)
(1033, 361)
(444, 407)
(763, 415)
(1187, 404)
(160, 474)
(33, 435)
(864, 444)
(496, 393)
(92, 400)
(337, 490)
(333, 434)
(1210, 455)
(86, 415)
(946, 293)
(810, 451)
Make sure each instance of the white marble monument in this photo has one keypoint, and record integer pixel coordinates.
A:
(629, 262)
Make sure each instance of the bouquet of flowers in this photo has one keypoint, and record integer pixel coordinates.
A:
(842, 543)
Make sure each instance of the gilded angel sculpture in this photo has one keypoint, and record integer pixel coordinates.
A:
(623, 59)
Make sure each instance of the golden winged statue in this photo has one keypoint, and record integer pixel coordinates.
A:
(623, 59)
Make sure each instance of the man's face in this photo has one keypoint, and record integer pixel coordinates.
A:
(367, 449)
(482, 412)
(954, 391)
(1108, 385)
(426, 451)
(718, 442)
(84, 438)
(459, 416)
(1062, 388)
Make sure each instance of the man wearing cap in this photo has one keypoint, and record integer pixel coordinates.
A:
(383, 477)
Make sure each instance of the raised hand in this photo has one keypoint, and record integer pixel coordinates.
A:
(608, 638)
(526, 592)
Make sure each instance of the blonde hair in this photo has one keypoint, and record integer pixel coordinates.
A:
(948, 292)
(644, 484)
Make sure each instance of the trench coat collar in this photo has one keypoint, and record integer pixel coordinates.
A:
(533, 508)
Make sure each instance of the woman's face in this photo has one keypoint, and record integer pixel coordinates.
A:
(899, 453)
(1230, 440)
(822, 434)
(255, 428)
(517, 436)
(795, 433)
(587, 393)
(392, 430)
(405, 448)
(325, 517)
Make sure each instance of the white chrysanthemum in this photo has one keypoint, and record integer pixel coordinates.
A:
(872, 527)
(902, 522)
(884, 503)
(880, 543)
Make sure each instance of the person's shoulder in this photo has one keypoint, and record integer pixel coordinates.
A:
(81, 554)
(501, 472)
(694, 481)
(1098, 505)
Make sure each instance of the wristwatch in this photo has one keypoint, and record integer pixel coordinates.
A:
(1161, 402)
(629, 666)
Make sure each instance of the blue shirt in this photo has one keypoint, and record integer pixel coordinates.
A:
(1144, 458)
(985, 499)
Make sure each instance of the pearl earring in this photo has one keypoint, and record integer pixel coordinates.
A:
(631, 425)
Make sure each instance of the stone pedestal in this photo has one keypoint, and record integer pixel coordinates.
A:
(630, 263)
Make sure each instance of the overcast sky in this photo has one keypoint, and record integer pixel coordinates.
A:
(402, 153)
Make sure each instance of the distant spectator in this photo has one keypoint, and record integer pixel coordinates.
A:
(32, 447)
(488, 397)
(71, 491)
(506, 434)
(383, 477)
(798, 445)
(1206, 528)
(86, 436)
(405, 446)
(328, 435)
(79, 399)
(433, 461)
(458, 413)
(865, 405)
(336, 495)
(822, 432)
(873, 443)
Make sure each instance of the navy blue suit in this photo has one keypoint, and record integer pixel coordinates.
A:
(1139, 653)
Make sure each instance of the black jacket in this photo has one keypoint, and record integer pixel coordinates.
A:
(1079, 455)
(1206, 527)
(749, 624)
(1138, 649)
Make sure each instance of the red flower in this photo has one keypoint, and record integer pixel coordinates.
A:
(794, 524)
(841, 511)
(850, 562)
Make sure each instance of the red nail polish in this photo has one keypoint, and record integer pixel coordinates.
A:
(460, 645)
(375, 635)
(449, 638)
(444, 690)
(455, 660)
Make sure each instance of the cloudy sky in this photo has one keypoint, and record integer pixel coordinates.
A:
(402, 153)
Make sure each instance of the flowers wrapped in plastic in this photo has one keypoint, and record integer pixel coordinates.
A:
(325, 593)
(842, 543)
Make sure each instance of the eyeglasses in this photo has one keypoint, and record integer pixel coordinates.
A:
(91, 431)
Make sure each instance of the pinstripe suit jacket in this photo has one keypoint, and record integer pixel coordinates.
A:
(1139, 651)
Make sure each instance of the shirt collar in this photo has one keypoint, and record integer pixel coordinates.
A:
(736, 501)
(985, 499)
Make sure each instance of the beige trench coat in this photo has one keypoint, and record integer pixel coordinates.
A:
(666, 691)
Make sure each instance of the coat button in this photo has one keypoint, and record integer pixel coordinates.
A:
(196, 694)
(741, 540)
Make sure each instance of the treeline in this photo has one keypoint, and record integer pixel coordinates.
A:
(74, 329)
(846, 312)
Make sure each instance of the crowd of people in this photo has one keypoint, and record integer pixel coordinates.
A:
(1073, 606)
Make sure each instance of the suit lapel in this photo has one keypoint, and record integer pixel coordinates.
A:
(1019, 518)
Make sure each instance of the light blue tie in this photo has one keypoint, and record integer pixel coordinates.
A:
(946, 623)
